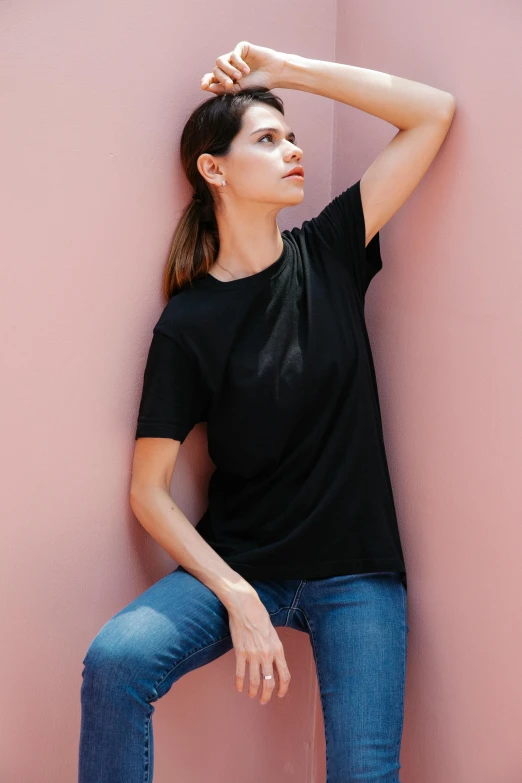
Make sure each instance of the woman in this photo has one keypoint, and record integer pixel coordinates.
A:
(263, 337)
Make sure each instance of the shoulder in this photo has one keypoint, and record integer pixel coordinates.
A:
(180, 313)
(340, 215)
(338, 231)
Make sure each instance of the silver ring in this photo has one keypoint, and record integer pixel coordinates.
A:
(267, 676)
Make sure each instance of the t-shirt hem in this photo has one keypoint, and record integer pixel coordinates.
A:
(318, 570)
(160, 431)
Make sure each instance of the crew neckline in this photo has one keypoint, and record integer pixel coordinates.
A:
(268, 273)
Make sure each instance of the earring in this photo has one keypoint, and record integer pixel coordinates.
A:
(223, 182)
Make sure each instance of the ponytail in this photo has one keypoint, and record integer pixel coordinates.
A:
(211, 128)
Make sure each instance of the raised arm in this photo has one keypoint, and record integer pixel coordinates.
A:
(422, 113)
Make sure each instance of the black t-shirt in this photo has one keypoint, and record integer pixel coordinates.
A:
(279, 365)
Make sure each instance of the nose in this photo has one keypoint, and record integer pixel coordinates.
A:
(296, 152)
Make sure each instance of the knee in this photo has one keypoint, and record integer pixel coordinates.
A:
(101, 654)
(115, 654)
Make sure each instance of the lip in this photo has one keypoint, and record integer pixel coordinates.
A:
(297, 171)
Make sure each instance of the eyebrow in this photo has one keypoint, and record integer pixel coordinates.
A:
(275, 130)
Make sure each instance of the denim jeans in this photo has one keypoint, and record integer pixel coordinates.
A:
(357, 628)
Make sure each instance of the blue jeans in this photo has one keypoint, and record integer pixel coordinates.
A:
(358, 632)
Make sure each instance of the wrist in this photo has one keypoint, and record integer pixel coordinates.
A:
(233, 595)
(293, 72)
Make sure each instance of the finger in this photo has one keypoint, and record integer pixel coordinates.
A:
(207, 79)
(228, 68)
(215, 87)
(225, 80)
(238, 62)
(240, 670)
(218, 89)
(268, 685)
(283, 672)
(253, 676)
(241, 51)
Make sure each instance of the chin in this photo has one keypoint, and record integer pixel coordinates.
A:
(297, 198)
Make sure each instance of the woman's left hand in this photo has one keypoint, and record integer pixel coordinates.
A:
(247, 65)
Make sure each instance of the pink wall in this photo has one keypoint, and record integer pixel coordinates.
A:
(445, 323)
(94, 99)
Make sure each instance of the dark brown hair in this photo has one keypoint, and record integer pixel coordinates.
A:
(210, 128)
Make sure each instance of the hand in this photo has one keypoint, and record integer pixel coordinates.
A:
(245, 66)
(255, 640)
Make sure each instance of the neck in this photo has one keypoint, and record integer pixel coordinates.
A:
(247, 245)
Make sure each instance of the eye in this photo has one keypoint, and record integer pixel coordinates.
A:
(272, 136)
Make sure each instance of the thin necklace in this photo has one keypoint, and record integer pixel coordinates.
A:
(250, 275)
(230, 273)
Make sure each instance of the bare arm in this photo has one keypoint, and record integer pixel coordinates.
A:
(167, 524)
(256, 641)
(156, 511)
(402, 102)
(422, 113)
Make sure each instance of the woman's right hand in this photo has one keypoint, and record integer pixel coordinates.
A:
(247, 65)
(256, 642)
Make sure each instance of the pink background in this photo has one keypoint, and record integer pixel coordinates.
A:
(94, 98)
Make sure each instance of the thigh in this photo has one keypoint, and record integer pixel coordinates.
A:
(175, 626)
(358, 629)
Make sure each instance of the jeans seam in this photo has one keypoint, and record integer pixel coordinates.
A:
(294, 602)
(318, 670)
(405, 609)
(147, 749)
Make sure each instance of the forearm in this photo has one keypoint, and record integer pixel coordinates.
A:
(402, 102)
(167, 524)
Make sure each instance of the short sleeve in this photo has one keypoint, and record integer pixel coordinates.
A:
(173, 398)
(342, 227)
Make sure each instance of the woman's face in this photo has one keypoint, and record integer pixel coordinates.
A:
(262, 153)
